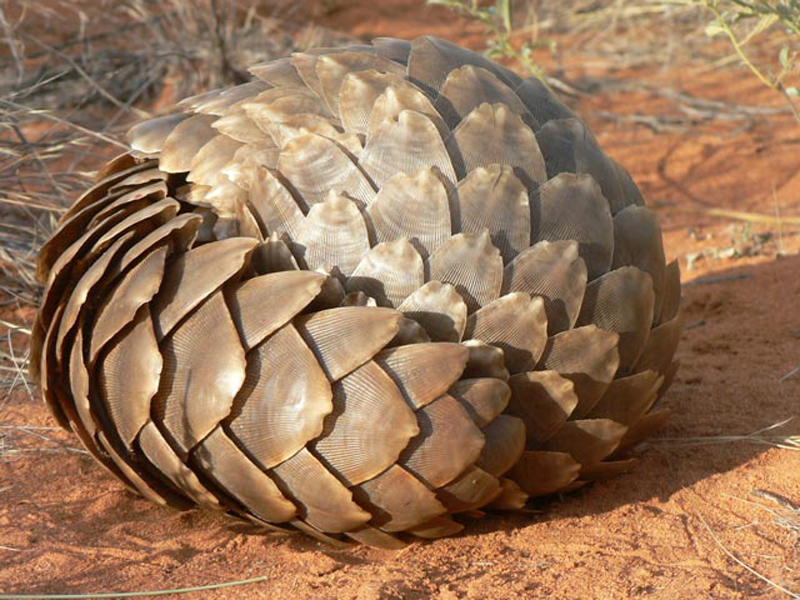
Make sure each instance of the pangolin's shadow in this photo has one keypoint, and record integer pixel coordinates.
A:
(742, 339)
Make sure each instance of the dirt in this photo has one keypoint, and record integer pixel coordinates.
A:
(703, 502)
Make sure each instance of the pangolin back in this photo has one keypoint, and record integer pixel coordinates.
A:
(373, 288)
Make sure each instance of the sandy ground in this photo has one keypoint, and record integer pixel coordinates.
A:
(704, 501)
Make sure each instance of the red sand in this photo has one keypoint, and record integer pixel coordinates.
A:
(658, 532)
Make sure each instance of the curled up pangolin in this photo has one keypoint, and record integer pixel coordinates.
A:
(373, 289)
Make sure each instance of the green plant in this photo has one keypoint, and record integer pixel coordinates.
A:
(498, 18)
(741, 21)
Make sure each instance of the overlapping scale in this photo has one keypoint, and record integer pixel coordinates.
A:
(271, 109)
(511, 497)
(572, 207)
(541, 102)
(163, 458)
(324, 501)
(472, 264)
(315, 165)
(637, 242)
(555, 272)
(231, 470)
(542, 472)
(424, 371)
(278, 73)
(468, 87)
(439, 308)
(345, 338)
(184, 142)
(517, 324)
(355, 446)
(188, 281)
(505, 443)
(406, 144)
(588, 441)
(285, 387)
(401, 96)
(485, 360)
(148, 137)
(398, 500)
(220, 103)
(413, 207)
(199, 380)
(628, 398)
(207, 164)
(494, 198)
(432, 59)
(358, 94)
(494, 134)
(273, 205)
(589, 357)
(473, 489)
(543, 401)
(622, 300)
(388, 272)
(291, 290)
(333, 236)
(127, 399)
(569, 146)
(333, 68)
(392, 48)
(138, 286)
(447, 444)
(670, 306)
(483, 397)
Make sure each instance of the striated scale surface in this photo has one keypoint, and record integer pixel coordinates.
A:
(471, 263)
(406, 143)
(494, 134)
(388, 272)
(196, 391)
(284, 386)
(353, 444)
(421, 194)
(333, 236)
(448, 442)
(494, 198)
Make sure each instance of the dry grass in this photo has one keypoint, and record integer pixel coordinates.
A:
(74, 75)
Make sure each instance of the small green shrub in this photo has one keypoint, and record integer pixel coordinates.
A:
(498, 18)
(742, 21)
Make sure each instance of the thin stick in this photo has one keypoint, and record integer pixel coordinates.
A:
(213, 586)
(750, 217)
(15, 327)
(47, 115)
(723, 278)
(791, 373)
(787, 442)
(741, 563)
